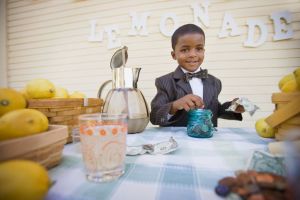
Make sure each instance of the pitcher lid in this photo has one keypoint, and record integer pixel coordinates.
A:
(118, 57)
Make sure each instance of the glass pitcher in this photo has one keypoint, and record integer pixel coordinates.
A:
(125, 97)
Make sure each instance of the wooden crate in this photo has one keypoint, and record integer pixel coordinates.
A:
(66, 111)
(45, 148)
(286, 116)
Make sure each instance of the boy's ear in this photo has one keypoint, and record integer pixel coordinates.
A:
(173, 55)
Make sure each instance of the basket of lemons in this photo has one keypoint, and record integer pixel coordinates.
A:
(60, 107)
(26, 134)
(286, 116)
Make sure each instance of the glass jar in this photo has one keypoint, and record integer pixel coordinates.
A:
(199, 123)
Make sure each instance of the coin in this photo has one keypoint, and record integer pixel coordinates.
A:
(241, 191)
(228, 181)
(273, 195)
(222, 190)
(256, 197)
(244, 179)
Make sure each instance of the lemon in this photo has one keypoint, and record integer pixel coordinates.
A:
(23, 180)
(10, 99)
(290, 86)
(297, 76)
(264, 129)
(22, 122)
(77, 94)
(24, 93)
(40, 89)
(61, 93)
(285, 79)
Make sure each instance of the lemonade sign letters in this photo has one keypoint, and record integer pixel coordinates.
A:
(281, 22)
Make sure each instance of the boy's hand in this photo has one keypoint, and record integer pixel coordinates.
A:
(239, 108)
(187, 103)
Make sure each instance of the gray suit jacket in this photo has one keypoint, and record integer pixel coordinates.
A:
(171, 87)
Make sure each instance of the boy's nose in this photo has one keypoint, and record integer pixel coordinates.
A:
(193, 52)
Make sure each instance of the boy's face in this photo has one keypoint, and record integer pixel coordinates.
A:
(189, 51)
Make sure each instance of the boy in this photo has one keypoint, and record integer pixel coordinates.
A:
(189, 86)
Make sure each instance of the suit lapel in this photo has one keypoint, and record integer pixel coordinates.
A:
(178, 76)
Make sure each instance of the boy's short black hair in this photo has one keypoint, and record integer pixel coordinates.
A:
(185, 29)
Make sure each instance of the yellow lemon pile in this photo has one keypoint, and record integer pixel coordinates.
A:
(44, 89)
(15, 119)
(23, 180)
(21, 123)
(77, 94)
(297, 76)
(10, 99)
(40, 89)
(61, 93)
(290, 82)
(264, 129)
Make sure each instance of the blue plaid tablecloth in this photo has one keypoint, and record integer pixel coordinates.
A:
(190, 172)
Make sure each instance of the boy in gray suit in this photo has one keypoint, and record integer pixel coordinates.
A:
(189, 86)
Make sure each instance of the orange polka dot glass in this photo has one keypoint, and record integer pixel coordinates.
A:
(103, 145)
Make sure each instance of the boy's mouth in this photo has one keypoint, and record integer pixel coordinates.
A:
(192, 62)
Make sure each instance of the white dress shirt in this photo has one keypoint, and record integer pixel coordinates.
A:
(195, 83)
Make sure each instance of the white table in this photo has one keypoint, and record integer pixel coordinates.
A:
(190, 172)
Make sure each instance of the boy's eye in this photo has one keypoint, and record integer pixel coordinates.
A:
(184, 50)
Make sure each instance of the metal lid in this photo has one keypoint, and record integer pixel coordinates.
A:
(119, 58)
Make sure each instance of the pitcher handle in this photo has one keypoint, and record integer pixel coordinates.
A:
(101, 88)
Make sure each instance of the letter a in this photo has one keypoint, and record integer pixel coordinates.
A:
(229, 23)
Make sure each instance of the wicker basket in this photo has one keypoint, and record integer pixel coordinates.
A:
(289, 117)
(66, 111)
(45, 148)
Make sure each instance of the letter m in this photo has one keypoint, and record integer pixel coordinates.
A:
(138, 26)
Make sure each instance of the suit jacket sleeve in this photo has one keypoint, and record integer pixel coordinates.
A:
(161, 104)
(222, 113)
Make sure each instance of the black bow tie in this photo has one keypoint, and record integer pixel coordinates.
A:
(201, 74)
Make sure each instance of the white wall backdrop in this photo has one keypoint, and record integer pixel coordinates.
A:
(49, 39)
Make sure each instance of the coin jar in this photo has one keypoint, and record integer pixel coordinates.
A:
(199, 123)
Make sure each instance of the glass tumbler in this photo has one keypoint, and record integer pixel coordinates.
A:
(103, 145)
